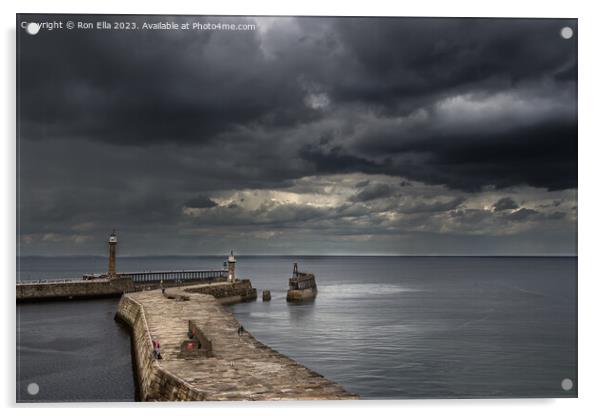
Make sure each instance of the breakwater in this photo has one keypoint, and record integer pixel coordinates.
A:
(114, 287)
(72, 289)
(115, 283)
(238, 367)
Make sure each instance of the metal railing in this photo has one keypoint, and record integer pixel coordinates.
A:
(175, 275)
(144, 277)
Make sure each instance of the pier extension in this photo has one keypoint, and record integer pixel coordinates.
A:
(230, 364)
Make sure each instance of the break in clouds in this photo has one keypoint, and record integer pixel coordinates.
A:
(306, 136)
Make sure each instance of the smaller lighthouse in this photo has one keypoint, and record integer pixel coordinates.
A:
(231, 267)
(112, 254)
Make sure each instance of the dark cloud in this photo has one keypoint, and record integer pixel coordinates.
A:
(504, 204)
(200, 87)
(470, 216)
(337, 160)
(201, 201)
(147, 87)
(556, 215)
(371, 192)
(436, 55)
(436, 206)
(130, 129)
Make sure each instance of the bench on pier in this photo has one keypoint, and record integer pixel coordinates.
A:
(177, 297)
(197, 343)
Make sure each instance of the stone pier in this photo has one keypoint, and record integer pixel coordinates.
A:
(238, 366)
(72, 289)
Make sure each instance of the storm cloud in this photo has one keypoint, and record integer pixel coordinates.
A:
(352, 135)
(504, 204)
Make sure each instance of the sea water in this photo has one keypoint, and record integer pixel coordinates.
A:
(383, 327)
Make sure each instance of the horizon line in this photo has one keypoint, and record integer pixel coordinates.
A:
(305, 255)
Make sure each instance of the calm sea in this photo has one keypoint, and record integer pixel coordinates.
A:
(383, 327)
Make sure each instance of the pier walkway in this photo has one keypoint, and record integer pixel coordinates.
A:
(238, 368)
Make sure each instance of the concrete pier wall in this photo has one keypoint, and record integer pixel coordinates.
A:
(75, 289)
(154, 382)
(239, 367)
(239, 291)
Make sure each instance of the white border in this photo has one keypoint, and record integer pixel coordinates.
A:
(590, 201)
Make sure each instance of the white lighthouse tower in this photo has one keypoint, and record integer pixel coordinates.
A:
(231, 267)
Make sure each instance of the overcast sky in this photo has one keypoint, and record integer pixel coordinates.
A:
(305, 136)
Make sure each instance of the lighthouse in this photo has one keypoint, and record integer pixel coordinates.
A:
(231, 267)
(112, 254)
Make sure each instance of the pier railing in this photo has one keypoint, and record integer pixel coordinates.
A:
(173, 276)
(146, 277)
